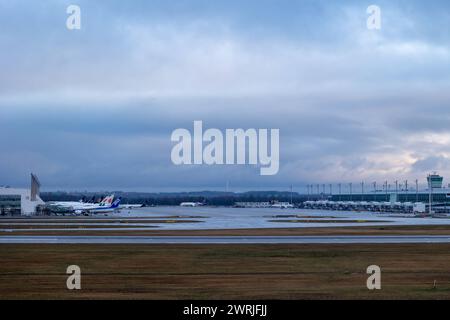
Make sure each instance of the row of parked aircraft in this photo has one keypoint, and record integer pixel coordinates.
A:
(108, 204)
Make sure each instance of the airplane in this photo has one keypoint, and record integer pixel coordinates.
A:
(190, 204)
(80, 206)
(101, 209)
(130, 206)
(66, 204)
(283, 205)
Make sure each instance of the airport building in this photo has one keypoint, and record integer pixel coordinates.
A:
(21, 201)
(253, 204)
(267, 204)
(441, 196)
(439, 193)
(388, 198)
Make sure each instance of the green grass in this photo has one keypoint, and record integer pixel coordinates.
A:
(225, 271)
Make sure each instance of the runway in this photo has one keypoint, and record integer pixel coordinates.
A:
(221, 239)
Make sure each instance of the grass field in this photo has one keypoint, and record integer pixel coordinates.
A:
(225, 271)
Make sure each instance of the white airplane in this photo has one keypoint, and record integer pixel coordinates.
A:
(190, 204)
(101, 209)
(106, 204)
(67, 204)
(130, 206)
(283, 205)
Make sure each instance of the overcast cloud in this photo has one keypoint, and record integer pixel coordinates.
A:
(95, 108)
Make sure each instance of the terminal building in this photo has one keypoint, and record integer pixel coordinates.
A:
(267, 204)
(433, 199)
(21, 201)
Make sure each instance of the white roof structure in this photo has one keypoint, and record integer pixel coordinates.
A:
(27, 204)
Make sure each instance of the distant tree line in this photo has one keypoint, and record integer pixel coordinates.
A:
(174, 199)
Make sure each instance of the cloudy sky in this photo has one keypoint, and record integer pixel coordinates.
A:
(95, 108)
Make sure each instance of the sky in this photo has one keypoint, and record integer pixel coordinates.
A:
(94, 109)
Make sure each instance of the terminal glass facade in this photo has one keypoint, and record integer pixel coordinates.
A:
(10, 204)
(401, 197)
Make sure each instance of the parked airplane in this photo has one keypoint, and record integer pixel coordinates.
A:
(130, 206)
(190, 204)
(282, 205)
(106, 205)
(101, 209)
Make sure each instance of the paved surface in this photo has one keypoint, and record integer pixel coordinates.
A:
(213, 218)
(224, 239)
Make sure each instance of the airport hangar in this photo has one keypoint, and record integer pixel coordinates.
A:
(21, 201)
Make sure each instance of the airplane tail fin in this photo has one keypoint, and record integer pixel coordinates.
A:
(107, 201)
(116, 203)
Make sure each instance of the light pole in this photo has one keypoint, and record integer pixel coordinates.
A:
(362, 191)
(375, 190)
(406, 190)
(417, 190)
(291, 193)
(396, 190)
(386, 189)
